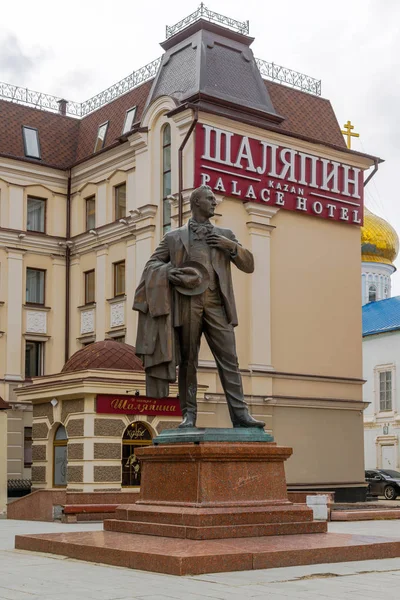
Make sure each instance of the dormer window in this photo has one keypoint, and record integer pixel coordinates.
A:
(31, 142)
(129, 118)
(101, 137)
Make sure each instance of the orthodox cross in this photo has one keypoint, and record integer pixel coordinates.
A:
(347, 133)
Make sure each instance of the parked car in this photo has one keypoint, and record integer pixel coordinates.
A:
(383, 482)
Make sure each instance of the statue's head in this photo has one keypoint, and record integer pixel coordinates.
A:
(203, 202)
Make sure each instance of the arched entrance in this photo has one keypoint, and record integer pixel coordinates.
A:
(60, 457)
(136, 435)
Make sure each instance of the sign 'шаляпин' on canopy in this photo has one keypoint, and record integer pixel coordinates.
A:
(259, 171)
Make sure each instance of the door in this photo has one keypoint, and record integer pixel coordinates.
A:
(388, 457)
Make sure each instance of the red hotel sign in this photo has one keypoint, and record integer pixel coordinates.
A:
(260, 171)
(136, 405)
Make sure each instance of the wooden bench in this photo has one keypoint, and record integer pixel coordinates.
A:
(71, 511)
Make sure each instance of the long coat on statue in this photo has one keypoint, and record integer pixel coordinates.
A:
(159, 305)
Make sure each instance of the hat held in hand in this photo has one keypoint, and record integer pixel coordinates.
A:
(194, 278)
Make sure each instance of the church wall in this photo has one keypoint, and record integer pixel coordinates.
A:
(381, 429)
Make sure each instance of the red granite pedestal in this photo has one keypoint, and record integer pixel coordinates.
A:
(212, 507)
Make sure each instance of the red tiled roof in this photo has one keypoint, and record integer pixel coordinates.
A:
(114, 112)
(66, 140)
(57, 134)
(104, 355)
(4, 405)
(306, 115)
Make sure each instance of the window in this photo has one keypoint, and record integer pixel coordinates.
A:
(33, 359)
(101, 137)
(120, 339)
(386, 292)
(120, 201)
(60, 457)
(27, 447)
(166, 162)
(36, 214)
(89, 287)
(385, 390)
(129, 117)
(119, 278)
(90, 213)
(35, 286)
(31, 142)
(372, 293)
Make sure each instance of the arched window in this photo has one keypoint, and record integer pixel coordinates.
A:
(166, 171)
(136, 435)
(60, 457)
(386, 292)
(372, 293)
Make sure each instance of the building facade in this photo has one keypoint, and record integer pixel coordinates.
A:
(85, 201)
(381, 345)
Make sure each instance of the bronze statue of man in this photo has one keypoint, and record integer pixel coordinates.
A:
(186, 290)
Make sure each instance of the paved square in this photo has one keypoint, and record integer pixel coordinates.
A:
(28, 576)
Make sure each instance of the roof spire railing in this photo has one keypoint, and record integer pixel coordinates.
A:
(205, 13)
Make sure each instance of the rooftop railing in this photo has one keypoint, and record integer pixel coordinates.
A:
(268, 70)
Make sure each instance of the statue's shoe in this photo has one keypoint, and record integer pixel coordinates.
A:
(248, 421)
(188, 421)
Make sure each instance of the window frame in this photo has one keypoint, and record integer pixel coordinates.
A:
(116, 187)
(166, 227)
(85, 274)
(115, 267)
(27, 438)
(375, 290)
(44, 200)
(106, 123)
(125, 131)
(28, 302)
(24, 127)
(40, 364)
(88, 199)
(377, 378)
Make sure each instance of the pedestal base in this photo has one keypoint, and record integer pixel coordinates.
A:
(212, 507)
(193, 557)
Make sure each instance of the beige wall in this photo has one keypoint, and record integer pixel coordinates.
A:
(299, 333)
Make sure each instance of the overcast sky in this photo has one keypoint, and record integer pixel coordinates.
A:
(77, 48)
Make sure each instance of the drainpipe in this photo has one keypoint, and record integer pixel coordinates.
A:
(67, 267)
(370, 176)
(180, 167)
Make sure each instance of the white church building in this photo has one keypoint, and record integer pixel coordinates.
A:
(381, 344)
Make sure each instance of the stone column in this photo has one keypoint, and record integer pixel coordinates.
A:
(101, 205)
(15, 300)
(102, 277)
(260, 228)
(56, 326)
(16, 208)
(130, 278)
(77, 295)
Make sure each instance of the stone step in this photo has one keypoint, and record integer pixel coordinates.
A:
(195, 557)
(214, 517)
(213, 532)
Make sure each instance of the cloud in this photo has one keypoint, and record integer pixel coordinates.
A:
(17, 65)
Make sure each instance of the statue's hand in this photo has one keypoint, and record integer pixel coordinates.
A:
(174, 276)
(220, 241)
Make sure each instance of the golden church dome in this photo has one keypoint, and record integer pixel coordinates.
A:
(379, 241)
